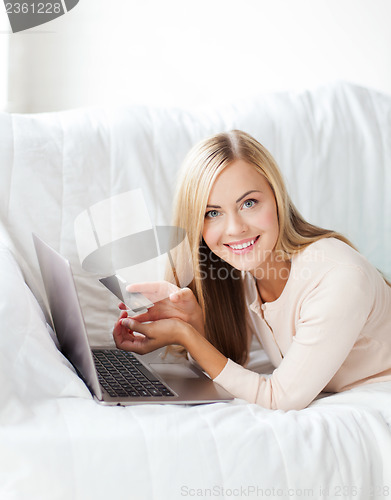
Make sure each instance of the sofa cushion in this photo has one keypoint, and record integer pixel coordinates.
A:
(332, 144)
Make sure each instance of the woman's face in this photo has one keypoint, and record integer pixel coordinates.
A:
(241, 223)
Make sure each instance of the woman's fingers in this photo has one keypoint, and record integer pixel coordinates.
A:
(154, 290)
(124, 337)
(133, 324)
(121, 335)
(118, 326)
(140, 342)
(159, 324)
(132, 343)
(181, 304)
(156, 334)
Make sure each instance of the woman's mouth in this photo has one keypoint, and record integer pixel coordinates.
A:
(243, 246)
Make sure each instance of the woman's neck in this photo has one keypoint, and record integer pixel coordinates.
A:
(271, 280)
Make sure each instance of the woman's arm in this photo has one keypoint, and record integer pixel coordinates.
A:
(330, 320)
(204, 353)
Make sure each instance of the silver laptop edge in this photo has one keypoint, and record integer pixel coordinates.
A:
(189, 384)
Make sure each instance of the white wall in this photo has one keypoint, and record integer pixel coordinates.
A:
(182, 52)
(4, 38)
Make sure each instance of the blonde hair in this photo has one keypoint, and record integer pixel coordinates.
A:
(222, 300)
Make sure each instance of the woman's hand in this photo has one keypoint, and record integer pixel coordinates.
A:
(169, 302)
(141, 338)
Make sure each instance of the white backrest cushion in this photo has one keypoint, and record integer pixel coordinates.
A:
(333, 145)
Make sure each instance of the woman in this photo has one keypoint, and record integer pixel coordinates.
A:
(321, 311)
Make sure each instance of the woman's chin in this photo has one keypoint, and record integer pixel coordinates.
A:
(243, 264)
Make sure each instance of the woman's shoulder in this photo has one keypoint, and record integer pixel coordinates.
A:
(331, 251)
(334, 255)
(325, 268)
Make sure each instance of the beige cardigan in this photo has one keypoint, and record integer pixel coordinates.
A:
(330, 330)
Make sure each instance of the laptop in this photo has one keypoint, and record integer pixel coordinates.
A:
(113, 376)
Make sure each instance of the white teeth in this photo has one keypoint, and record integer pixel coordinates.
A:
(240, 247)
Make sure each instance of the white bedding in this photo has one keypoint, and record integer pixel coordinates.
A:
(70, 448)
(55, 441)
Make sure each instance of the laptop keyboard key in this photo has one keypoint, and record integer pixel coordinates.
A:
(155, 392)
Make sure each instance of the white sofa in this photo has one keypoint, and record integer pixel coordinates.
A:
(333, 145)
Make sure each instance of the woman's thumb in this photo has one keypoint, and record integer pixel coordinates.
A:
(131, 324)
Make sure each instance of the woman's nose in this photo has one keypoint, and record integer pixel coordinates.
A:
(235, 225)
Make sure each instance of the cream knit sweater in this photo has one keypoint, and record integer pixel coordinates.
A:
(329, 330)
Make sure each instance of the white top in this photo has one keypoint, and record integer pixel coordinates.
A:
(330, 330)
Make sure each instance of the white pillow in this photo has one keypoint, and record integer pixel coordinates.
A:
(31, 366)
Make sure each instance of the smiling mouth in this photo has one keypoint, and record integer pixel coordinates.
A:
(243, 247)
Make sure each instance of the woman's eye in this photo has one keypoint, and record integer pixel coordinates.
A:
(249, 203)
(212, 214)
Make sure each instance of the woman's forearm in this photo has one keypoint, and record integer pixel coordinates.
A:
(201, 350)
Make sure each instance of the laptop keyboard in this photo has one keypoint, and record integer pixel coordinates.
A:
(121, 374)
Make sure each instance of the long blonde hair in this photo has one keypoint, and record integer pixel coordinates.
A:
(222, 300)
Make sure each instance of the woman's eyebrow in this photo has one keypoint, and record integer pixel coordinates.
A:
(237, 201)
(248, 192)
